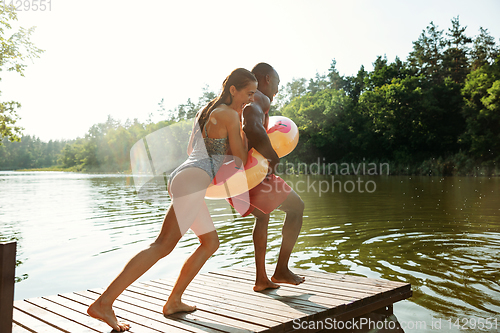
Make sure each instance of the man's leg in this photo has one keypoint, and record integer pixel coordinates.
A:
(260, 246)
(293, 206)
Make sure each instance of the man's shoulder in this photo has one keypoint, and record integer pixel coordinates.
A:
(261, 104)
(263, 101)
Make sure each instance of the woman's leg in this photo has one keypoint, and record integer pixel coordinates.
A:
(188, 185)
(204, 228)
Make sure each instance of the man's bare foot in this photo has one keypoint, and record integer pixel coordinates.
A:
(172, 307)
(105, 313)
(263, 284)
(287, 276)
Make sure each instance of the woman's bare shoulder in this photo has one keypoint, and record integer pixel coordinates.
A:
(222, 108)
(224, 112)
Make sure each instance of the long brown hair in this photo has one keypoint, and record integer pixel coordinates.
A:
(239, 78)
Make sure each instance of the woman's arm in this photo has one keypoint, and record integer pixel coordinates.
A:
(237, 138)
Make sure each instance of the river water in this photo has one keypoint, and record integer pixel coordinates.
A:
(442, 235)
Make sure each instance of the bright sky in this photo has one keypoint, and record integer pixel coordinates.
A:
(120, 57)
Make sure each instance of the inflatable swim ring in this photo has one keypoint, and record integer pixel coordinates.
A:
(231, 180)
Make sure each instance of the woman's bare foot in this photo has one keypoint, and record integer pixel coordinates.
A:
(287, 276)
(263, 284)
(105, 313)
(172, 307)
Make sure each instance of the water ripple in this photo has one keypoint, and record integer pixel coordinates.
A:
(442, 235)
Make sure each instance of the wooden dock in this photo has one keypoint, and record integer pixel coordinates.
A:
(225, 303)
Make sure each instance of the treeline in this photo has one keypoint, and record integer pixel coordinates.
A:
(105, 147)
(438, 112)
(30, 153)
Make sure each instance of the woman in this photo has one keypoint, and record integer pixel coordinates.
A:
(216, 128)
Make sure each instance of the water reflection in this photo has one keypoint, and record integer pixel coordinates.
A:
(76, 231)
(440, 235)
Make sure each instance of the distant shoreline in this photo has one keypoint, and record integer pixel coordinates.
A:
(395, 171)
(59, 169)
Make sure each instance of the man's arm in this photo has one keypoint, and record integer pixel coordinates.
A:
(257, 135)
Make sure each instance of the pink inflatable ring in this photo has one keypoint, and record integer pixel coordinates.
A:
(231, 180)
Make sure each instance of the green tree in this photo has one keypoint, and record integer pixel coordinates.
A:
(427, 55)
(456, 60)
(296, 88)
(413, 118)
(189, 109)
(482, 111)
(68, 157)
(337, 82)
(355, 85)
(327, 126)
(484, 50)
(206, 96)
(15, 49)
(384, 73)
(317, 84)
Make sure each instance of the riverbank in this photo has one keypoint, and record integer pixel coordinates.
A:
(54, 168)
(73, 169)
(454, 165)
(435, 167)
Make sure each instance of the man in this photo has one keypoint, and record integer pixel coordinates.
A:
(273, 192)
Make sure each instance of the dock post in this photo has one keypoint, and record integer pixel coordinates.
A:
(7, 278)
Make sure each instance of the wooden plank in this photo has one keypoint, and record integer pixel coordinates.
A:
(33, 324)
(344, 277)
(362, 282)
(287, 300)
(291, 295)
(225, 302)
(54, 319)
(80, 308)
(203, 312)
(320, 279)
(253, 299)
(228, 300)
(69, 312)
(260, 299)
(359, 306)
(19, 329)
(7, 279)
(184, 321)
(375, 293)
(218, 306)
(366, 307)
(264, 302)
(330, 290)
(138, 321)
